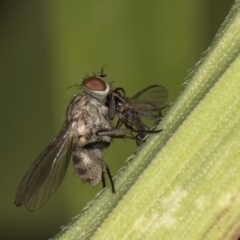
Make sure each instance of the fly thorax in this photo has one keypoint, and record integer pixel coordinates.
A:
(99, 115)
(104, 118)
(79, 128)
(104, 110)
(77, 104)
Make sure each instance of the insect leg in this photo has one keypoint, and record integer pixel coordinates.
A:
(110, 178)
(103, 180)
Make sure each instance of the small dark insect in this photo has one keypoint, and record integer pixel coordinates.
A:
(85, 116)
(147, 103)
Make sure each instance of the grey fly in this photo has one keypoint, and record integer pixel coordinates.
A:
(85, 116)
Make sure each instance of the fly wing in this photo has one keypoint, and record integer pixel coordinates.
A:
(46, 173)
(149, 101)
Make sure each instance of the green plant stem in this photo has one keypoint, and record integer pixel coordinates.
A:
(184, 182)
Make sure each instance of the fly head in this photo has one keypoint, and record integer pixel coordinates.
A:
(95, 86)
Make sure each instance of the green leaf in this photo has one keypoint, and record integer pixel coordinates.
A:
(184, 182)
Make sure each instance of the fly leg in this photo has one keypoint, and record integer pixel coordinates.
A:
(110, 178)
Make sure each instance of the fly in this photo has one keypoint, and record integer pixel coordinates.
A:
(147, 103)
(85, 116)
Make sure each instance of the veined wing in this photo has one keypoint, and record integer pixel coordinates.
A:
(150, 100)
(46, 173)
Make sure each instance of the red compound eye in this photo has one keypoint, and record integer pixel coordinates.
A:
(95, 87)
(95, 84)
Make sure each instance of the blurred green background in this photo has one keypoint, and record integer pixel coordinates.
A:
(47, 46)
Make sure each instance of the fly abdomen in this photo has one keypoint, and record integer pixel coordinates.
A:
(88, 164)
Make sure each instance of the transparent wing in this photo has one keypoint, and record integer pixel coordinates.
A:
(46, 173)
(150, 100)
